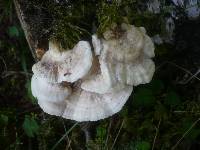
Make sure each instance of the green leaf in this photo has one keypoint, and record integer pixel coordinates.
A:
(13, 31)
(160, 112)
(156, 86)
(124, 112)
(64, 136)
(3, 119)
(30, 126)
(143, 145)
(146, 125)
(144, 97)
(101, 132)
(172, 99)
(130, 124)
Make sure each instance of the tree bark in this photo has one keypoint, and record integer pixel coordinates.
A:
(25, 26)
(31, 21)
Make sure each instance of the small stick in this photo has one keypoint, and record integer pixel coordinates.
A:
(26, 28)
(85, 128)
(195, 75)
(108, 132)
(183, 69)
(117, 135)
(68, 131)
(157, 130)
(190, 128)
(68, 146)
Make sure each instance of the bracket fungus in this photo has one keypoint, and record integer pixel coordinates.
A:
(124, 60)
(85, 85)
(59, 65)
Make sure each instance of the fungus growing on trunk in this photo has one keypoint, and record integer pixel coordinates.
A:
(82, 85)
(59, 65)
(124, 60)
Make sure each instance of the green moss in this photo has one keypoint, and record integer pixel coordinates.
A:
(71, 23)
(67, 22)
(107, 15)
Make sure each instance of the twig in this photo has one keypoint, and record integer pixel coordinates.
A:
(183, 69)
(85, 128)
(108, 132)
(190, 128)
(195, 75)
(157, 130)
(68, 146)
(26, 28)
(64, 136)
(182, 111)
(117, 134)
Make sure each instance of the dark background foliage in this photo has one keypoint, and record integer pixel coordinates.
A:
(163, 114)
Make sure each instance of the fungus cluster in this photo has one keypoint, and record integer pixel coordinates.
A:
(87, 85)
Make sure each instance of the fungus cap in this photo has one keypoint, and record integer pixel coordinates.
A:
(46, 91)
(88, 106)
(70, 65)
(125, 59)
(78, 105)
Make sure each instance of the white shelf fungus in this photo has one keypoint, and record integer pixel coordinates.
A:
(124, 60)
(87, 106)
(59, 65)
(82, 85)
(52, 92)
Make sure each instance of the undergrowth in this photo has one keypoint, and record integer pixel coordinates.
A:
(162, 115)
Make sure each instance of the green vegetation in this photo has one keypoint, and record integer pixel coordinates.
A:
(160, 115)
